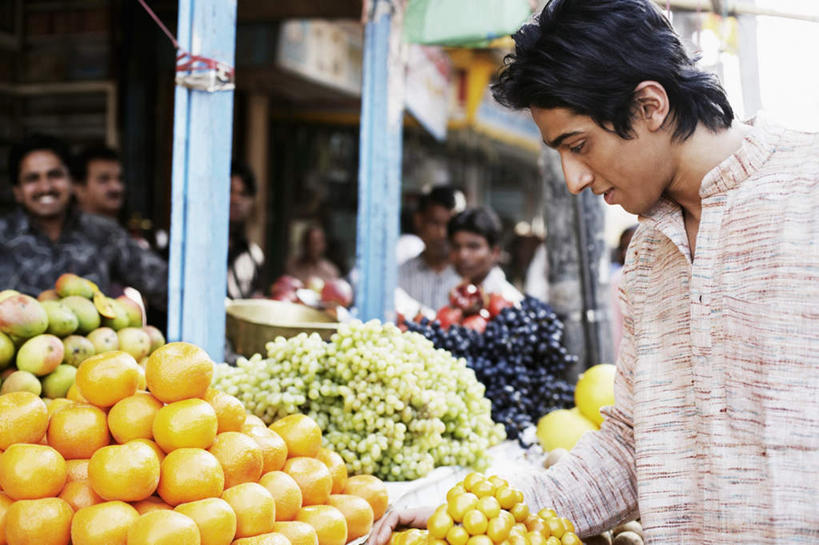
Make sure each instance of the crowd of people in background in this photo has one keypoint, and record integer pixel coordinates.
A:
(458, 246)
(70, 217)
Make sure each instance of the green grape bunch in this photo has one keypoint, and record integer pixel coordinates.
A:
(390, 403)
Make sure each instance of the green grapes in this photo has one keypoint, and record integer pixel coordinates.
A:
(390, 403)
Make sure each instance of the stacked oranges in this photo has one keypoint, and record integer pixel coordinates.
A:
(154, 456)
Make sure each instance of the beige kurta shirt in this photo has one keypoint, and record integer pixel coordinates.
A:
(714, 435)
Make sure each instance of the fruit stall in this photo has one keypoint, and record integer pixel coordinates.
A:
(110, 435)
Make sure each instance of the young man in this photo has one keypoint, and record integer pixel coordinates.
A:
(47, 236)
(429, 277)
(714, 434)
(245, 258)
(475, 235)
(99, 184)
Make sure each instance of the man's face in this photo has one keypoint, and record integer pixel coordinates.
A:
(633, 173)
(104, 189)
(472, 256)
(241, 202)
(430, 225)
(44, 187)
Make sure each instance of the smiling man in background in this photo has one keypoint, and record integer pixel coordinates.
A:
(47, 235)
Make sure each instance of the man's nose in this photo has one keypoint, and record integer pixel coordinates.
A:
(578, 176)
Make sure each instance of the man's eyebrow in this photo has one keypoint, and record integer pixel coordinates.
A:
(559, 140)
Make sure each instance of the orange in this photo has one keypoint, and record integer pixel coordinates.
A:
(357, 512)
(128, 472)
(189, 423)
(274, 450)
(240, 456)
(133, 417)
(271, 538)
(313, 479)
(23, 418)
(76, 470)
(299, 533)
(106, 378)
(29, 472)
(163, 528)
(300, 432)
(285, 491)
(102, 524)
(78, 431)
(79, 494)
(178, 371)
(215, 519)
(5, 503)
(229, 411)
(338, 469)
(371, 489)
(328, 522)
(57, 404)
(190, 474)
(252, 421)
(74, 394)
(46, 521)
(151, 503)
(254, 507)
(159, 452)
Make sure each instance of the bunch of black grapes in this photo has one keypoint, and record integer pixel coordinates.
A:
(519, 358)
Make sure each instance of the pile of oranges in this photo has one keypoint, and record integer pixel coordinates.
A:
(487, 511)
(154, 456)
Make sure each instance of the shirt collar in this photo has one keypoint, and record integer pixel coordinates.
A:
(754, 152)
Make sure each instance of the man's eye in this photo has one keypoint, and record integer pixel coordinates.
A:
(578, 148)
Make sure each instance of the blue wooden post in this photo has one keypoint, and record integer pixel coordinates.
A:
(379, 171)
(200, 191)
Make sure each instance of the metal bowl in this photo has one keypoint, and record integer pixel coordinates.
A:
(252, 323)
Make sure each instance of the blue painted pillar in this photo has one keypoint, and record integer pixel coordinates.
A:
(200, 190)
(379, 171)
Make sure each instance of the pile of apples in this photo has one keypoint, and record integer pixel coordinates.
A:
(470, 307)
(316, 293)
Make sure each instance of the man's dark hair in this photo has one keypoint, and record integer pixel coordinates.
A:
(242, 170)
(589, 55)
(481, 221)
(96, 153)
(35, 142)
(442, 195)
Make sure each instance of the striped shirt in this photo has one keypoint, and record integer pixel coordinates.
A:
(714, 435)
(428, 287)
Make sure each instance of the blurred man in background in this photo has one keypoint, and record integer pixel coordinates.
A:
(99, 183)
(48, 235)
(475, 236)
(245, 258)
(428, 277)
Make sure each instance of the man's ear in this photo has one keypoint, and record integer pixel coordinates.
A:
(650, 105)
(18, 193)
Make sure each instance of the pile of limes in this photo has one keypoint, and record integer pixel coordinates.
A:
(487, 511)
(155, 456)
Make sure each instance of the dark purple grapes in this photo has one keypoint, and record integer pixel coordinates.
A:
(519, 358)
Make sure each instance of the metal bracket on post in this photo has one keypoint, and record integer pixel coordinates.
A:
(210, 81)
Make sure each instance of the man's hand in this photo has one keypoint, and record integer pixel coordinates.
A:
(412, 518)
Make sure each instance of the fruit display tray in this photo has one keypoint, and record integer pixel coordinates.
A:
(252, 323)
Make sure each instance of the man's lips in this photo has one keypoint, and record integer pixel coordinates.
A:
(607, 195)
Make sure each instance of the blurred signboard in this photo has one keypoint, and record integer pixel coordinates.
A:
(326, 52)
(513, 126)
(427, 92)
